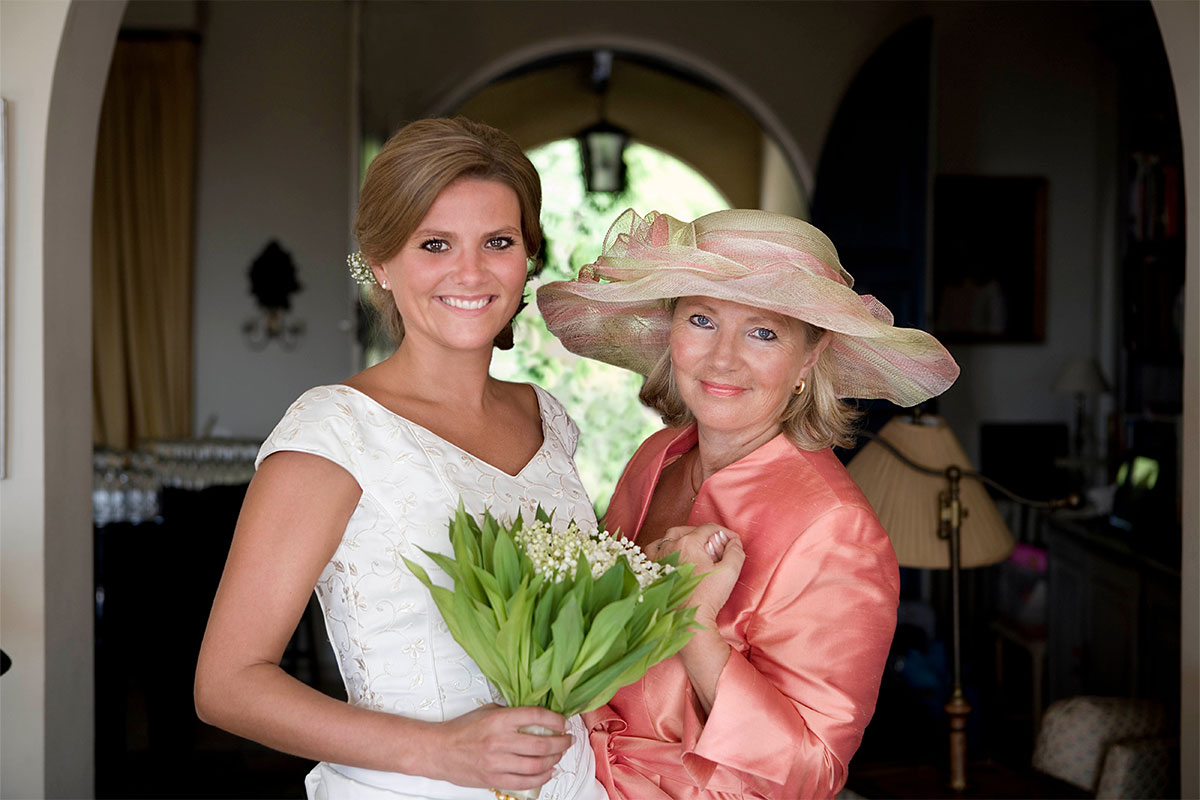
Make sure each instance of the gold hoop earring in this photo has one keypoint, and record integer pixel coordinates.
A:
(799, 390)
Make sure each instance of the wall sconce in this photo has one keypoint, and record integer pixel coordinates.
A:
(273, 282)
(602, 145)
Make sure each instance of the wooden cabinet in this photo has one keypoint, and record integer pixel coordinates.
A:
(1113, 616)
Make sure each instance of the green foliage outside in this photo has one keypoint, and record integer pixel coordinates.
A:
(602, 399)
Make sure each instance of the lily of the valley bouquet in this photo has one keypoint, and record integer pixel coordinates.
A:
(563, 618)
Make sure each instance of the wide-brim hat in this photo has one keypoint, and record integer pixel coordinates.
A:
(616, 311)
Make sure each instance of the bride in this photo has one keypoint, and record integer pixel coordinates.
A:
(360, 475)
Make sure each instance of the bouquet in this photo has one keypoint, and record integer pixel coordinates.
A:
(559, 620)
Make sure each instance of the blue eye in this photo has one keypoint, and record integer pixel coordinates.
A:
(764, 334)
(435, 245)
(700, 321)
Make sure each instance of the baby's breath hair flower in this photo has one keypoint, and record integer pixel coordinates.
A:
(360, 270)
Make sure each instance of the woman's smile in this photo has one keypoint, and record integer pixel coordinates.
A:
(467, 303)
(721, 389)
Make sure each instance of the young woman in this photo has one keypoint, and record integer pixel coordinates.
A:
(361, 474)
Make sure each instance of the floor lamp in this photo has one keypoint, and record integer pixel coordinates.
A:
(939, 516)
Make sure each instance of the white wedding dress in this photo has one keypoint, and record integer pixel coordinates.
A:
(393, 648)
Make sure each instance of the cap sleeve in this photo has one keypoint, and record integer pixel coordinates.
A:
(322, 422)
(557, 421)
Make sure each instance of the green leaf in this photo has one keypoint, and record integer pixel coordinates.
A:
(608, 588)
(480, 644)
(599, 688)
(583, 586)
(683, 585)
(487, 543)
(493, 595)
(540, 671)
(463, 538)
(512, 641)
(505, 564)
(542, 615)
(568, 638)
(418, 571)
(603, 631)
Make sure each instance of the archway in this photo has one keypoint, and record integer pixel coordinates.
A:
(661, 100)
(49, 602)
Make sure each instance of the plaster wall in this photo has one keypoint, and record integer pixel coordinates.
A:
(274, 155)
(29, 37)
(54, 57)
(1019, 99)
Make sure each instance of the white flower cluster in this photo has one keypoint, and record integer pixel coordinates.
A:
(556, 554)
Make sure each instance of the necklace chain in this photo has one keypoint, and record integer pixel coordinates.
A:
(691, 477)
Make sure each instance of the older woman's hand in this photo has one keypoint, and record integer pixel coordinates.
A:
(718, 555)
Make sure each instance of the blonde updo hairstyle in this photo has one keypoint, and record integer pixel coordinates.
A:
(813, 420)
(408, 174)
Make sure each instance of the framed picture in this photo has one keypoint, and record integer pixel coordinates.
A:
(989, 259)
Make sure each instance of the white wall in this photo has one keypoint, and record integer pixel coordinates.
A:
(1022, 97)
(274, 154)
(46, 605)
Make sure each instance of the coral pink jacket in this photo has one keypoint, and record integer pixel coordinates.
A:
(810, 623)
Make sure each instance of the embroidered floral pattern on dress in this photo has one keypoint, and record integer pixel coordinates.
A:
(392, 646)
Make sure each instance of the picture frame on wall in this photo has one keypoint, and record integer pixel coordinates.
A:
(989, 259)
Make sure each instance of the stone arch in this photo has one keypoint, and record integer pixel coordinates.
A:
(653, 51)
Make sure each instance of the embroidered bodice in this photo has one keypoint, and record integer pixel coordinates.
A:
(393, 647)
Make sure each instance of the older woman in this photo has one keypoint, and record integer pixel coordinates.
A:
(749, 332)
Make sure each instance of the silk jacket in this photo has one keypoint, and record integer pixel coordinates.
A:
(810, 622)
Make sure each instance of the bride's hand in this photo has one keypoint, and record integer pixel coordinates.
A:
(485, 748)
(718, 555)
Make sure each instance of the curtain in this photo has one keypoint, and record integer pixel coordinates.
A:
(142, 231)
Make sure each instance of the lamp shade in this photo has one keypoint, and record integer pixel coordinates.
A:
(906, 499)
(1081, 375)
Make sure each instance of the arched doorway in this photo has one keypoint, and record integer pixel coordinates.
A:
(56, 60)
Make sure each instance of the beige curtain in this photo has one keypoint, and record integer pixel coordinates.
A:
(142, 245)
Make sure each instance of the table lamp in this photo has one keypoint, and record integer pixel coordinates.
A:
(939, 516)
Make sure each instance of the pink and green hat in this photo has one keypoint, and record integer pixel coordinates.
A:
(617, 309)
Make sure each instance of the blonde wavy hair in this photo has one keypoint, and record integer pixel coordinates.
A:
(408, 174)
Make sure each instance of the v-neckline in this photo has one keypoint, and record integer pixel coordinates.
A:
(537, 394)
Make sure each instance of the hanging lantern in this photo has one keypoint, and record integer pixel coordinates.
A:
(602, 149)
